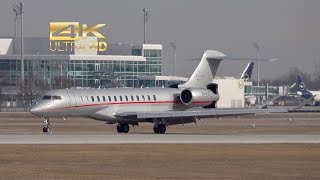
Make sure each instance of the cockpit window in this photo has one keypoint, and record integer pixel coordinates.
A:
(56, 97)
(46, 97)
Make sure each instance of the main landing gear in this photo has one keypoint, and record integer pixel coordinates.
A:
(123, 128)
(46, 126)
(159, 128)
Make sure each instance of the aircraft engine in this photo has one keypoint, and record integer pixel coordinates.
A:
(198, 97)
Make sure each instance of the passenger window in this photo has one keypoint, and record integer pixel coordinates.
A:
(143, 99)
(104, 99)
(46, 97)
(115, 98)
(81, 98)
(56, 97)
(137, 98)
(132, 99)
(109, 98)
(92, 98)
(120, 98)
(149, 98)
(87, 98)
(98, 98)
(154, 97)
(126, 98)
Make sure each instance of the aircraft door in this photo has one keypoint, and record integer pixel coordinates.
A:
(72, 99)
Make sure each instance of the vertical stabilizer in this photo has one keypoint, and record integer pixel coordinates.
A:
(246, 75)
(302, 86)
(206, 70)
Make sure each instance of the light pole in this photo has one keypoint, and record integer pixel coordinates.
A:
(173, 45)
(22, 45)
(146, 16)
(257, 47)
(18, 9)
(15, 11)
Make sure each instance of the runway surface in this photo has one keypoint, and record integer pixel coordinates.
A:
(266, 146)
(157, 139)
(23, 128)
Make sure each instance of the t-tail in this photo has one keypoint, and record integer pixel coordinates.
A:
(246, 75)
(206, 70)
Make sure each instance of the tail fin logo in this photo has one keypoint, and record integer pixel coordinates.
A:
(302, 86)
(246, 77)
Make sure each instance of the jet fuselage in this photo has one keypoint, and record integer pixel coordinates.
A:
(100, 104)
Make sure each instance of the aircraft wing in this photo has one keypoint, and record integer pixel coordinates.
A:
(195, 113)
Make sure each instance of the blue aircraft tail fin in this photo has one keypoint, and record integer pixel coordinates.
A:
(302, 86)
(246, 75)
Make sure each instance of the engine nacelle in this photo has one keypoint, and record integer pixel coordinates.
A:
(196, 97)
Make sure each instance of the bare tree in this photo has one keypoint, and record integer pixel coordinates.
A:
(4, 82)
(289, 78)
(31, 90)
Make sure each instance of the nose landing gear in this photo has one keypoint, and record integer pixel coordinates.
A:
(46, 126)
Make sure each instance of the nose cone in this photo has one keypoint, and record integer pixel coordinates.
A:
(33, 110)
(37, 110)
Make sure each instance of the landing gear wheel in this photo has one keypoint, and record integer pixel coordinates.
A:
(155, 129)
(159, 129)
(46, 126)
(119, 128)
(45, 129)
(162, 128)
(123, 128)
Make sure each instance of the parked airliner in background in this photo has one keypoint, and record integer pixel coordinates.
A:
(246, 74)
(130, 106)
(251, 99)
(311, 96)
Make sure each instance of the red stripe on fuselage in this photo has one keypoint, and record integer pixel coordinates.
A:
(115, 103)
(121, 103)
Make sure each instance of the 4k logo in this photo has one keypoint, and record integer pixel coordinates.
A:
(69, 31)
(65, 36)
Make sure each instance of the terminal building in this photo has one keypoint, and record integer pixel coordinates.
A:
(120, 62)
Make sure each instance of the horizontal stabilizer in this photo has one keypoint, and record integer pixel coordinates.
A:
(235, 58)
(248, 58)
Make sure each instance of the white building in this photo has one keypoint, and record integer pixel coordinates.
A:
(231, 91)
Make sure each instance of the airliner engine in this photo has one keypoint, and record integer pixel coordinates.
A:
(198, 97)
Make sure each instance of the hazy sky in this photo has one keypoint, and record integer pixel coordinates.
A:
(285, 29)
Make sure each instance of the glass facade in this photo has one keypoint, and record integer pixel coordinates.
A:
(159, 83)
(261, 90)
(61, 72)
(93, 73)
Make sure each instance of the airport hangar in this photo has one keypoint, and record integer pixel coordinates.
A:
(121, 65)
